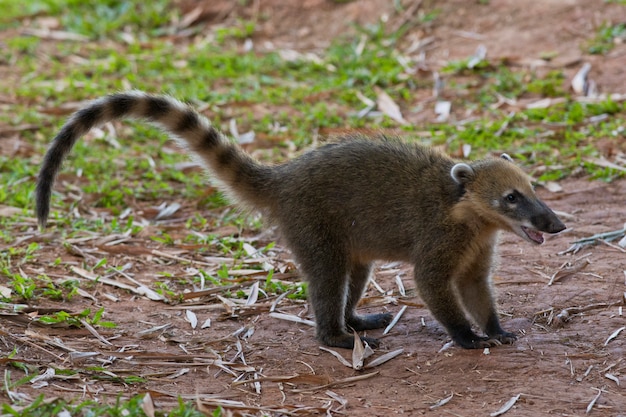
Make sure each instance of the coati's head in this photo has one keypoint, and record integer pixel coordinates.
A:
(500, 193)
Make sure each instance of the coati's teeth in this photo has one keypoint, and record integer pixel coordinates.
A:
(533, 234)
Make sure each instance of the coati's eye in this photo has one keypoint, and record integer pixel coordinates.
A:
(511, 198)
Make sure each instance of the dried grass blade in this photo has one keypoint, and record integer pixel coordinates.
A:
(614, 335)
(565, 271)
(56, 35)
(341, 400)
(178, 258)
(506, 407)
(612, 378)
(348, 380)
(360, 352)
(191, 317)
(605, 164)
(254, 294)
(140, 290)
(384, 358)
(337, 355)
(178, 373)
(291, 317)
(147, 405)
(148, 332)
(441, 402)
(593, 401)
(94, 332)
(303, 379)
(389, 107)
(279, 299)
(400, 285)
(80, 356)
(395, 320)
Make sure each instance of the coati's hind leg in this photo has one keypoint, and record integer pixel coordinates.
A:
(326, 269)
(474, 288)
(358, 279)
(438, 294)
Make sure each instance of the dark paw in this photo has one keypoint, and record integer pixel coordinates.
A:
(481, 342)
(506, 338)
(476, 342)
(369, 321)
(346, 341)
(372, 341)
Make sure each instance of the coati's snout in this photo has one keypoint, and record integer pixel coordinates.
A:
(545, 219)
(536, 218)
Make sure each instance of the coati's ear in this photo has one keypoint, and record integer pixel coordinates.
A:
(507, 157)
(462, 173)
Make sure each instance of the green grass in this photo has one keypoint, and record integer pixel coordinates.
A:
(606, 38)
(122, 408)
(289, 101)
(96, 19)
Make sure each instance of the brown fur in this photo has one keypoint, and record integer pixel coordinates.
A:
(347, 204)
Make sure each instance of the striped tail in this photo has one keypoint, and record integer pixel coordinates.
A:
(240, 176)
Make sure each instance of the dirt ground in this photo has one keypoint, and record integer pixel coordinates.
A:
(564, 357)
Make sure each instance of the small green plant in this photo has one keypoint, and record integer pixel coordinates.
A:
(606, 37)
(164, 239)
(242, 30)
(75, 320)
(297, 291)
(549, 86)
(42, 407)
(22, 285)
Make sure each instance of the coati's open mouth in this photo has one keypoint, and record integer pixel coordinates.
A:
(534, 235)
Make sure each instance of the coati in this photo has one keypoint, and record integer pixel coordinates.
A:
(346, 204)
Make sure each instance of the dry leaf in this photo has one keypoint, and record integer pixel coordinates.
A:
(191, 317)
(191, 17)
(442, 110)
(580, 83)
(479, 55)
(593, 401)
(614, 335)
(254, 294)
(395, 320)
(441, 402)
(291, 317)
(506, 407)
(388, 106)
(360, 352)
(167, 210)
(338, 356)
(400, 285)
(612, 378)
(384, 358)
(5, 292)
(56, 35)
(8, 211)
(147, 405)
(553, 187)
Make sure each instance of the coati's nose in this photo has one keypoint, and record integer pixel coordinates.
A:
(556, 225)
(545, 220)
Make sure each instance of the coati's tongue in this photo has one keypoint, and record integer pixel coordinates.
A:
(533, 235)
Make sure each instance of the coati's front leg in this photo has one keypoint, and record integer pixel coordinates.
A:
(474, 288)
(436, 289)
